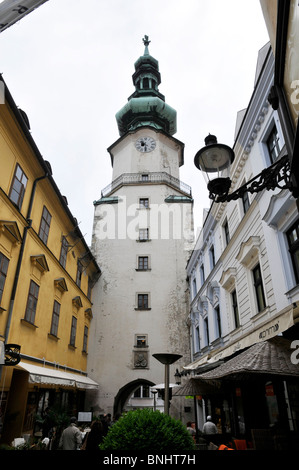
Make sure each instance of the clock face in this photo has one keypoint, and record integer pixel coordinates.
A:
(145, 144)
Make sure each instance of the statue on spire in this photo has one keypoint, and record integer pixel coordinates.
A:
(146, 42)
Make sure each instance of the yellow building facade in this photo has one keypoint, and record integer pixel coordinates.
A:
(47, 273)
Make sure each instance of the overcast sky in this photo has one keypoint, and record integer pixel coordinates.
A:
(69, 65)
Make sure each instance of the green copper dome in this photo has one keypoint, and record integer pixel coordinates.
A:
(146, 106)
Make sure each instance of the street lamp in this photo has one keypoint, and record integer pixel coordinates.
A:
(216, 159)
(166, 359)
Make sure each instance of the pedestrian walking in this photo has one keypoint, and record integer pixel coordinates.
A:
(209, 427)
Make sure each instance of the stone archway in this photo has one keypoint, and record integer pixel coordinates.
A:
(126, 391)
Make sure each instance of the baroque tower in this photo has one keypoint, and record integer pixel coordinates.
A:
(142, 238)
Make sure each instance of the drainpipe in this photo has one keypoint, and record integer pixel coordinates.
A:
(20, 259)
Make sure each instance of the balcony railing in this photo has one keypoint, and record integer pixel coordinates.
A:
(146, 178)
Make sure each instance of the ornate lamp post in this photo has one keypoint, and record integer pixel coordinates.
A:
(216, 159)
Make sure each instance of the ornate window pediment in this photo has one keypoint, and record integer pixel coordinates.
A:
(10, 230)
(60, 284)
(40, 262)
(77, 302)
(228, 278)
(249, 251)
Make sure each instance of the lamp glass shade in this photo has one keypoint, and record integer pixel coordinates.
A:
(214, 158)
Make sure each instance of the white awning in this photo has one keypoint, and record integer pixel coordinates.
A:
(46, 376)
(279, 323)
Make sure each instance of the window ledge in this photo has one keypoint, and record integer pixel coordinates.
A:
(70, 346)
(29, 324)
(142, 270)
(53, 337)
(139, 308)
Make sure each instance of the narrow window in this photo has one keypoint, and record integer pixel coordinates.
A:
(144, 203)
(79, 273)
(212, 257)
(18, 186)
(142, 301)
(206, 323)
(55, 319)
(202, 274)
(259, 290)
(235, 308)
(142, 263)
(45, 225)
(245, 201)
(226, 233)
(3, 272)
(293, 242)
(32, 302)
(273, 145)
(194, 287)
(143, 234)
(218, 321)
(85, 339)
(73, 331)
(89, 287)
(141, 341)
(63, 252)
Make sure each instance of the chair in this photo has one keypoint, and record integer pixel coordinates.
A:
(240, 444)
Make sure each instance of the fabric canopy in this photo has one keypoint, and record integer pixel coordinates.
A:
(46, 376)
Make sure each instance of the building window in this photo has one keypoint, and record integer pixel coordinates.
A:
(45, 225)
(226, 232)
(144, 177)
(142, 392)
(273, 145)
(63, 252)
(245, 201)
(202, 274)
(89, 287)
(143, 234)
(141, 341)
(143, 301)
(293, 242)
(142, 263)
(73, 331)
(143, 203)
(32, 302)
(18, 187)
(194, 286)
(259, 289)
(85, 339)
(55, 319)
(212, 257)
(235, 308)
(218, 321)
(79, 273)
(3, 272)
(207, 336)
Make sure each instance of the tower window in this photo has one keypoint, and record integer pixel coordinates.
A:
(143, 302)
(144, 203)
(143, 263)
(143, 234)
(145, 84)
